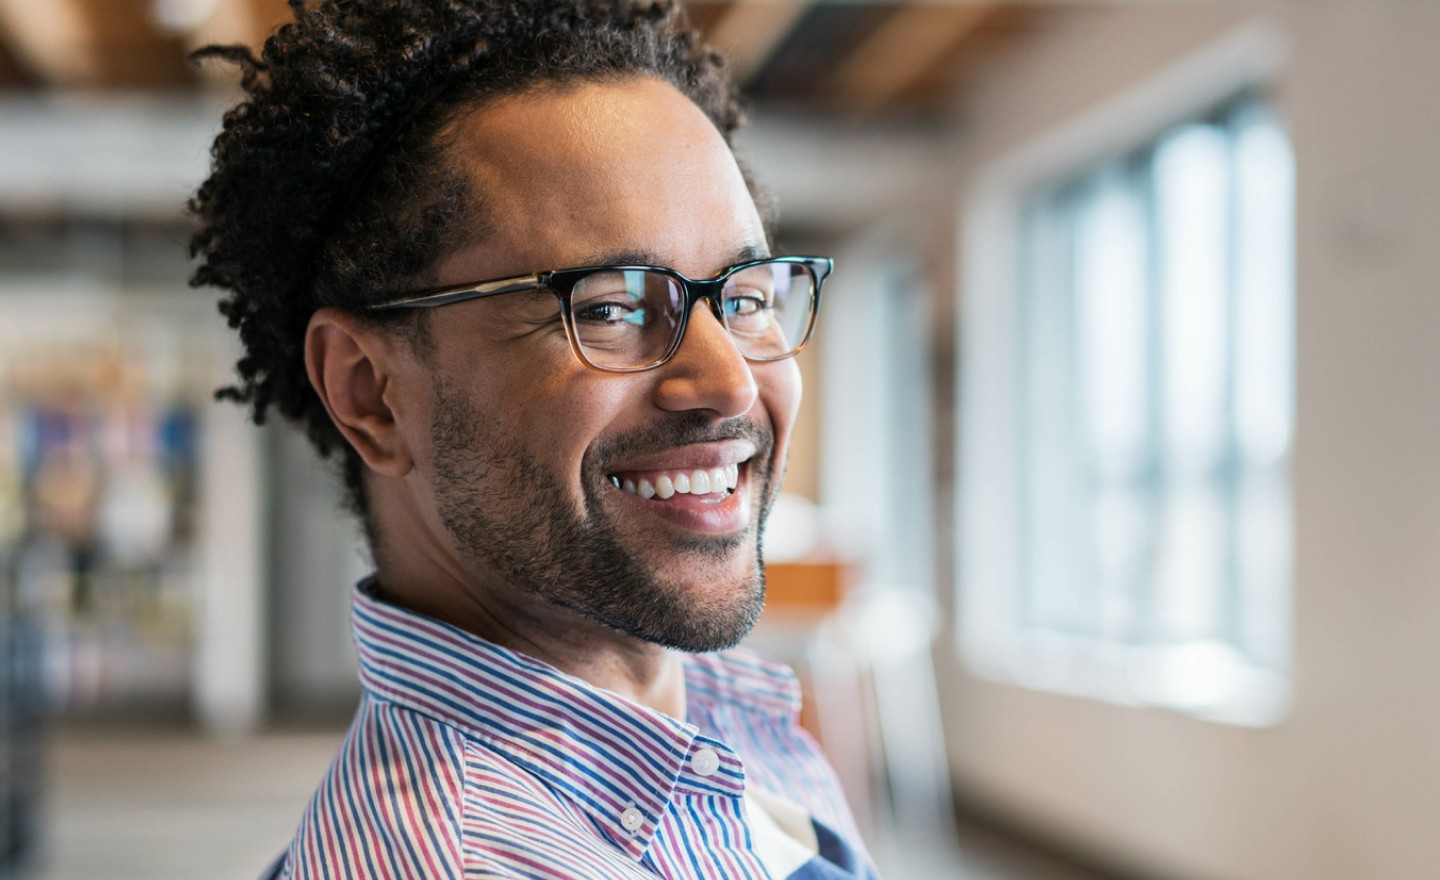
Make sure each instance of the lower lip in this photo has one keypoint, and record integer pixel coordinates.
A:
(700, 513)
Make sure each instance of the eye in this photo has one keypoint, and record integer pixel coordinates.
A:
(613, 299)
(750, 296)
(612, 312)
(742, 305)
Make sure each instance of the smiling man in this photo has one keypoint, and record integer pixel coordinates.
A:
(501, 260)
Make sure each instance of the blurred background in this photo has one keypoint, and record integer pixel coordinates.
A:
(1112, 537)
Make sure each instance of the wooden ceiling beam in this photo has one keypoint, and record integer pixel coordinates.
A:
(12, 74)
(751, 30)
(237, 22)
(47, 38)
(912, 40)
(242, 22)
(88, 43)
(702, 14)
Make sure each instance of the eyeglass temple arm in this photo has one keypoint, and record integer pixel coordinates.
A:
(447, 295)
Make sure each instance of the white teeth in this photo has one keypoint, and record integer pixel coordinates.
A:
(697, 482)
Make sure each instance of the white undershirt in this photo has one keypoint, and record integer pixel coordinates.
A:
(781, 829)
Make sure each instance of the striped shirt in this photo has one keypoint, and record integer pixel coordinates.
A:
(466, 759)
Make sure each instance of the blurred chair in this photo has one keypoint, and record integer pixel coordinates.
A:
(875, 698)
(863, 657)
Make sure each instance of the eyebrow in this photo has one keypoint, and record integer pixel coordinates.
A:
(744, 254)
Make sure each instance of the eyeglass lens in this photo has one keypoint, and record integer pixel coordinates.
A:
(629, 318)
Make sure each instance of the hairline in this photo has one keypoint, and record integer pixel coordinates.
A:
(414, 328)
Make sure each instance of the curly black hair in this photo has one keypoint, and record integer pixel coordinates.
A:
(330, 184)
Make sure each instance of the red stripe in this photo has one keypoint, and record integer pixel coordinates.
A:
(440, 746)
(406, 795)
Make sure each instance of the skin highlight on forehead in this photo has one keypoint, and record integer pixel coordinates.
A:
(550, 152)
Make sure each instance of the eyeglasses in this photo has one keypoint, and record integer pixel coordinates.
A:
(630, 318)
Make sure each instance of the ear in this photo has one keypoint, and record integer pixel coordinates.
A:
(352, 368)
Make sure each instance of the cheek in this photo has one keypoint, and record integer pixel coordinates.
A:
(780, 391)
(411, 401)
(560, 414)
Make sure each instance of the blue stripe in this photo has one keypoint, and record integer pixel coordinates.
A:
(454, 761)
(521, 735)
(537, 791)
(560, 708)
(420, 805)
(396, 811)
(550, 776)
(547, 721)
(500, 659)
(345, 782)
(339, 837)
(684, 845)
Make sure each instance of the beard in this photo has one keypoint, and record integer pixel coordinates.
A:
(507, 512)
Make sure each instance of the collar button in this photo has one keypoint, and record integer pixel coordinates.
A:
(705, 762)
(631, 819)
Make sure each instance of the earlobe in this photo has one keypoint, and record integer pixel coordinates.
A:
(350, 367)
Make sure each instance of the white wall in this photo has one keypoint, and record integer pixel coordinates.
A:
(317, 555)
(1348, 785)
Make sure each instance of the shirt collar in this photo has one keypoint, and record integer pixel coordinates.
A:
(604, 753)
(741, 680)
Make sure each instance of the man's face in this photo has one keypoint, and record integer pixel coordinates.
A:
(523, 444)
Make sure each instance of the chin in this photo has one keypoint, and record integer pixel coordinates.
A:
(695, 612)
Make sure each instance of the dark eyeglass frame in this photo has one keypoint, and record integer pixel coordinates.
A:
(562, 283)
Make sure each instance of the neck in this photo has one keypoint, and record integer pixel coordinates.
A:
(644, 673)
(425, 582)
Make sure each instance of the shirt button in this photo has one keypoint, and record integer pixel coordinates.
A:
(631, 819)
(705, 762)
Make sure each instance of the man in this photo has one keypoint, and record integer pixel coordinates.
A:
(563, 472)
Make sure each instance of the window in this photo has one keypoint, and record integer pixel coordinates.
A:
(1152, 364)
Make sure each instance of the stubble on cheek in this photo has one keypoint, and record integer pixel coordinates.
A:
(511, 516)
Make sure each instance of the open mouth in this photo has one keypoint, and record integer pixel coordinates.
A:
(715, 483)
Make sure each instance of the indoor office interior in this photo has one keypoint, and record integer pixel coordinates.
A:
(1110, 543)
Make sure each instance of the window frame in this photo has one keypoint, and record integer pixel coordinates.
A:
(991, 636)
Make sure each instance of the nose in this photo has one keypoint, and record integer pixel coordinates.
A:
(707, 372)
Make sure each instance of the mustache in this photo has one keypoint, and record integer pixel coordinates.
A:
(682, 429)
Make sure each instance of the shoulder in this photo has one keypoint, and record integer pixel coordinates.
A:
(412, 796)
(391, 804)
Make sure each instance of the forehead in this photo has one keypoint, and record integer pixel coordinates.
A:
(568, 174)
